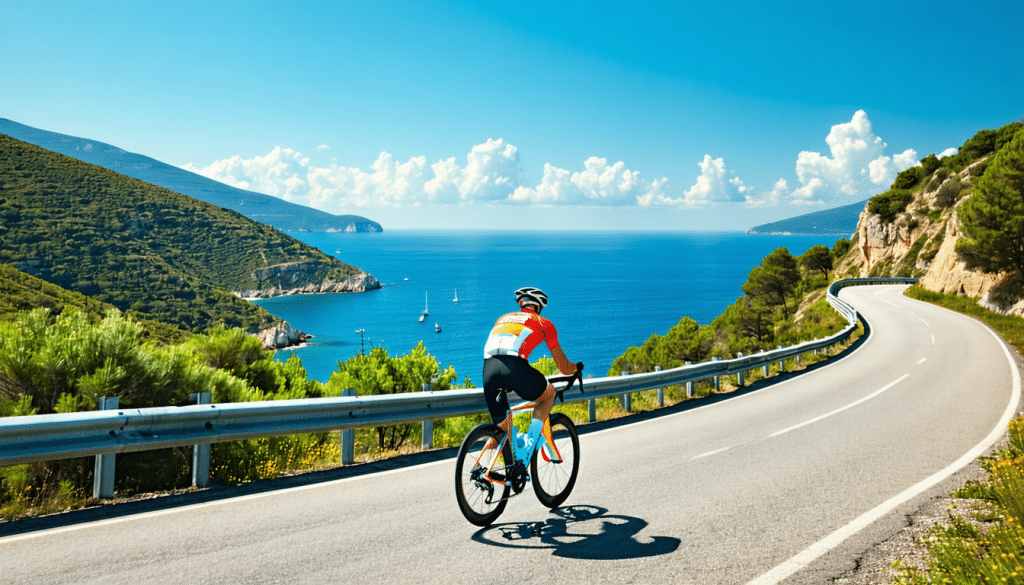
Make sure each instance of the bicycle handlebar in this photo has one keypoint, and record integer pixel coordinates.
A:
(571, 379)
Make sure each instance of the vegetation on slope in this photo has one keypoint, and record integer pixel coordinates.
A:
(148, 251)
(923, 198)
(784, 304)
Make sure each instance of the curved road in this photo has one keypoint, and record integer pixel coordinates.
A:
(789, 483)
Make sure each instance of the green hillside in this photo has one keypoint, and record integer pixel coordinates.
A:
(146, 250)
(24, 292)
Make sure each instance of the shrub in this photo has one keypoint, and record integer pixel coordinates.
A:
(949, 192)
(930, 164)
(890, 204)
(908, 178)
(937, 179)
(1007, 292)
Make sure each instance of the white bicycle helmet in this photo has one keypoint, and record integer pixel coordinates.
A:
(531, 296)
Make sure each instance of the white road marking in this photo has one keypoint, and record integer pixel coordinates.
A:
(922, 360)
(710, 453)
(811, 553)
(232, 500)
(838, 410)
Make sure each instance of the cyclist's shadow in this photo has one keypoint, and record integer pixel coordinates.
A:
(581, 532)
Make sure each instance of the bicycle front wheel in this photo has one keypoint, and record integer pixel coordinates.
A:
(480, 499)
(554, 471)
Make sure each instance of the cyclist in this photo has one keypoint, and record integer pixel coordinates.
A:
(506, 352)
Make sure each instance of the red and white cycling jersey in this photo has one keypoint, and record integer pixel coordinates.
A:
(519, 333)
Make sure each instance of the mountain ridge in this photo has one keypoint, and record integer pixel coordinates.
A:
(838, 221)
(265, 209)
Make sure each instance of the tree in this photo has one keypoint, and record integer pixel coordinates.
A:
(817, 258)
(993, 219)
(840, 248)
(774, 280)
(930, 164)
(378, 373)
(907, 178)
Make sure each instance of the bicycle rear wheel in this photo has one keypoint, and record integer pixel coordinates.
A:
(480, 499)
(553, 480)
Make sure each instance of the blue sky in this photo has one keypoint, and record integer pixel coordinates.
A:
(572, 115)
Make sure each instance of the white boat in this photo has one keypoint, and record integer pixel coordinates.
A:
(425, 311)
(456, 299)
(437, 327)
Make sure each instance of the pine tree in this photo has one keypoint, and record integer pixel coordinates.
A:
(993, 219)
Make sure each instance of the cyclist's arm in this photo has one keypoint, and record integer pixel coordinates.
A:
(566, 367)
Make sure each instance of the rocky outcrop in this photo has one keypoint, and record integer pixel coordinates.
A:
(887, 246)
(879, 241)
(299, 278)
(304, 278)
(948, 274)
(281, 336)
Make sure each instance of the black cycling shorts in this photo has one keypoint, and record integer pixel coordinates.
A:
(512, 373)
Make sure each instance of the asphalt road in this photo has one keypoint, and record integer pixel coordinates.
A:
(789, 482)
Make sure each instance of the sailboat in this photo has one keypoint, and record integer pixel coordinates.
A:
(437, 327)
(425, 312)
(456, 299)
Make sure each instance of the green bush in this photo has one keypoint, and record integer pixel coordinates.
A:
(908, 178)
(948, 194)
(889, 204)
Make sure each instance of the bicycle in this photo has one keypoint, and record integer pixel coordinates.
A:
(490, 465)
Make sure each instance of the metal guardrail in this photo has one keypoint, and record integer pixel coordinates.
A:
(123, 430)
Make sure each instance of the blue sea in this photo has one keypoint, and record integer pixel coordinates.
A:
(608, 290)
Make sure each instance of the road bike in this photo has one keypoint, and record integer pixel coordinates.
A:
(491, 466)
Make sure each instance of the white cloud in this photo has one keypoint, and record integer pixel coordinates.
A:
(771, 198)
(714, 185)
(598, 184)
(948, 152)
(857, 169)
(492, 173)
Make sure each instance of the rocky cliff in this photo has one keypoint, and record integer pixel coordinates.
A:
(921, 243)
(307, 277)
(296, 278)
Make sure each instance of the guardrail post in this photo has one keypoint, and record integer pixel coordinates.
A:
(661, 391)
(103, 472)
(428, 427)
(592, 409)
(716, 359)
(348, 437)
(739, 374)
(689, 385)
(627, 397)
(782, 364)
(200, 453)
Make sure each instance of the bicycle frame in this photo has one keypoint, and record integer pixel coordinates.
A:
(512, 428)
(578, 376)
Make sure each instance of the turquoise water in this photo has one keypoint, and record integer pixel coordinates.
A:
(608, 290)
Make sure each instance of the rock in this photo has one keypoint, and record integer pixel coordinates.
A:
(298, 278)
(281, 336)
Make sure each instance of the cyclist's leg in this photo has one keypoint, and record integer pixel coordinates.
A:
(496, 376)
